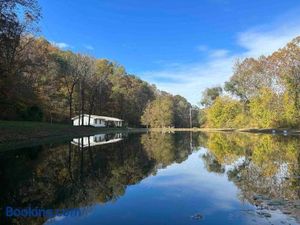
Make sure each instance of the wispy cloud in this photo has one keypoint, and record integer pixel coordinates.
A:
(60, 45)
(89, 47)
(218, 53)
(189, 80)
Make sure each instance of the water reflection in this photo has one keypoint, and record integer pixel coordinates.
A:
(261, 171)
(98, 139)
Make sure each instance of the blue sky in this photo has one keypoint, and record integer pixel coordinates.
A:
(181, 46)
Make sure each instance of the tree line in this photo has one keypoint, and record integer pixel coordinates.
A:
(262, 93)
(41, 82)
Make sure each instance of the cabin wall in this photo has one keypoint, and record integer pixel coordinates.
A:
(98, 123)
(101, 124)
(86, 122)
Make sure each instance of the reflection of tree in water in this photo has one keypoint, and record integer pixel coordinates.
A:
(211, 164)
(166, 148)
(225, 148)
(272, 169)
(263, 165)
(68, 176)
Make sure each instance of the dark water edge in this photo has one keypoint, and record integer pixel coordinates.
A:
(157, 178)
(36, 141)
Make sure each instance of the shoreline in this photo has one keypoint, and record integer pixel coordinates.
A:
(289, 131)
(17, 134)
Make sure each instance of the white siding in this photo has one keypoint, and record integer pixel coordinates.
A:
(86, 122)
(96, 121)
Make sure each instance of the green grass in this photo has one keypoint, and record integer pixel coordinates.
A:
(15, 134)
(30, 125)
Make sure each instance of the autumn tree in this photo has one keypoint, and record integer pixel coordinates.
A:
(209, 95)
(223, 112)
(286, 65)
(18, 20)
(248, 78)
(159, 113)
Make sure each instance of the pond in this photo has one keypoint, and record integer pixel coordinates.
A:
(155, 178)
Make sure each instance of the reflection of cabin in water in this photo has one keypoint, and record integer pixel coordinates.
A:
(99, 139)
(97, 121)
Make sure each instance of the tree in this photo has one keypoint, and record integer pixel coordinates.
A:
(85, 71)
(159, 113)
(248, 78)
(266, 109)
(18, 19)
(68, 73)
(209, 95)
(181, 111)
(202, 120)
(223, 113)
(267, 87)
(286, 64)
(48, 83)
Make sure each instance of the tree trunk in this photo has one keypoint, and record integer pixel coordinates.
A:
(100, 95)
(82, 102)
(70, 107)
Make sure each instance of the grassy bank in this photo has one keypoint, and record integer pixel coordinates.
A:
(24, 133)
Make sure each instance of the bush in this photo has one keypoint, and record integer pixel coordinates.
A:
(32, 113)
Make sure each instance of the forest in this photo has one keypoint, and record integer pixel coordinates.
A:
(261, 93)
(41, 82)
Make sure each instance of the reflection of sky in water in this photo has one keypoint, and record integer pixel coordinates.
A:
(173, 196)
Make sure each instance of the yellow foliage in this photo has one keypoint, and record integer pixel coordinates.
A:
(266, 109)
(223, 113)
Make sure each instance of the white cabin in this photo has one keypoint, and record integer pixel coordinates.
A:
(97, 121)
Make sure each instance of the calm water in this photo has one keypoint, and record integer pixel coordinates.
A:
(156, 178)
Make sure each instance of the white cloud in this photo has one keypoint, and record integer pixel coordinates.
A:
(218, 53)
(60, 45)
(264, 43)
(189, 80)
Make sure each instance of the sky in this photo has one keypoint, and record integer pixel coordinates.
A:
(181, 46)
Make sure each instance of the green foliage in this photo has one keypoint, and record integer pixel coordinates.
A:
(223, 112)
(265, 109)
(266, 90)
(181, 111)
(202, 118)
(33, 113)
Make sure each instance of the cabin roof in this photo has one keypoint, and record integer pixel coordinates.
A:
(106, 118)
